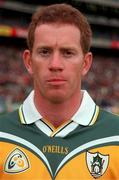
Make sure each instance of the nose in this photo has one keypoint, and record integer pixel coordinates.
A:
(56, 62)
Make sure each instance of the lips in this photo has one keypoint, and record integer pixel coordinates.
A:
(56, 81)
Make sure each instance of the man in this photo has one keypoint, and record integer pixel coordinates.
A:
(59, 132)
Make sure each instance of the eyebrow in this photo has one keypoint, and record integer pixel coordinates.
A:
(63, 48)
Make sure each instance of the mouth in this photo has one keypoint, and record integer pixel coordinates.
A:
(56, 81)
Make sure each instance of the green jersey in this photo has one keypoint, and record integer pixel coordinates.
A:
(85, 148)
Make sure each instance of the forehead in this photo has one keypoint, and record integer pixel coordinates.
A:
(57, 33)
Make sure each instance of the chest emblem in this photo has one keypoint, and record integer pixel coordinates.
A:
(16, 162)
(97, 163)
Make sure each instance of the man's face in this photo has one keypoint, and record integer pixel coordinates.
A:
(57, 62)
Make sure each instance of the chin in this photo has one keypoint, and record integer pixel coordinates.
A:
(57, 99)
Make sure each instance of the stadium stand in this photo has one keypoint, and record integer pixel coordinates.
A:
(13, 78)
(102, 81)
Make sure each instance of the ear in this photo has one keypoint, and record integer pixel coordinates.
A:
(28, 61)
(87, 63)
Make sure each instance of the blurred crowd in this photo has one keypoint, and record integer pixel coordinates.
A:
(15, 82)
(102, 81)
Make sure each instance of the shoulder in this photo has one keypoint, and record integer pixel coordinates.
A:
(108, 115)
(108, 119)
(106, 125)
(9, 117)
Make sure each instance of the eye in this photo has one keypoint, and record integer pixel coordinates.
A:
(44, 52)
(68, 53)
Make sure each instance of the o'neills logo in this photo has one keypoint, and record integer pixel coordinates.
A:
(16, 162)
(55, 149)
(97, 163)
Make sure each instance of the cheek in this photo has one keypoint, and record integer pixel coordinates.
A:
(75, 75)
(78, 70)
(36, 73)
(39, 73)
(37, 67)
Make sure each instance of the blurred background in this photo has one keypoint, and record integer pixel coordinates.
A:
(102, 81)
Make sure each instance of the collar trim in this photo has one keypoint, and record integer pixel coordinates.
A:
(21, 114)
(87, 112)
(94, 118)
(86, 115)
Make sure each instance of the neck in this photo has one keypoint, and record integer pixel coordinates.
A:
(58, 113)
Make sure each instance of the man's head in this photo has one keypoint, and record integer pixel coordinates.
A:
(58, 55)
(61, 14)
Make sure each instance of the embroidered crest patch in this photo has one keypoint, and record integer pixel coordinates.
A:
(97, 163)
(16, 162)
